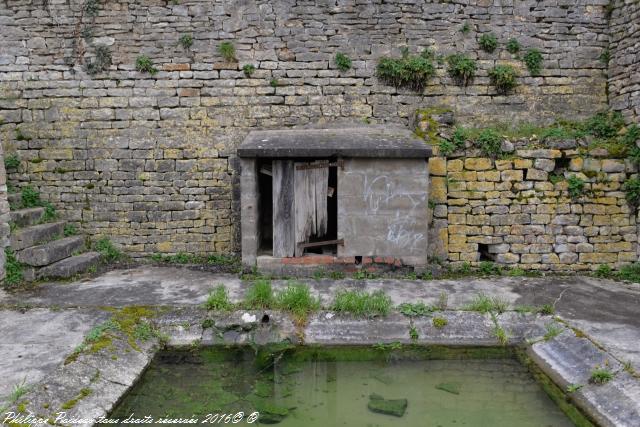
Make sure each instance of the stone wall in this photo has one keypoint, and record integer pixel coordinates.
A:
(624, 77)
(149, 160)
(4, 216)
(519, 211)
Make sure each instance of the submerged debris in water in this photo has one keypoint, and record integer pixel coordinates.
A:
(453, 388)
(379, 404)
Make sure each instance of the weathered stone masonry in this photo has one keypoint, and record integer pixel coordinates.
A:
(624, 66)
(150, 160)
(511, 212)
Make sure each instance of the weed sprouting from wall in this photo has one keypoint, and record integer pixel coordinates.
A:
(411, 71)
(488, 42)
(101, 62)
(533, 61)
(504, 78)
(228, 51)
(343, 62)
(145, 65)
(461, 68)
(186, 41)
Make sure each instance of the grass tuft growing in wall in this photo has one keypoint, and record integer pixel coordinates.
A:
(410, 71)
(228, 51)
(488, 42)
(461, 68)
(145, 65)
(343, 62)
(504, 78)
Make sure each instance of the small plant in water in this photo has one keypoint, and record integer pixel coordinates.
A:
(601, 374)
(343, 62)
(362, 304)
(439, 322)
(218, 299)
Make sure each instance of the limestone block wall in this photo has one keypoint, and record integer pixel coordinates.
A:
(4, 216)
(149, 159)
(518, 211)
(624, 65)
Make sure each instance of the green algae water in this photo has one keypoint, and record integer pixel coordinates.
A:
(344, 387)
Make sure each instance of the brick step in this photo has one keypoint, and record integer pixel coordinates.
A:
(28, 216)
(38, 256)
(70, 266)
(35, 235)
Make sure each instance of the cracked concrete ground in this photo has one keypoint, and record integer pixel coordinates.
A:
(56, 316)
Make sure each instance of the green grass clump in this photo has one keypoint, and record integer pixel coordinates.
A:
(501, 335)
(218, 299)
(490, 142)
(504, 78)
(30, 197)
(411, 71)
(259, 295)
(533, 61)
(552, 331)
(575, 186)
(461, 68)
(604, 124)
(343, 62)
(248, 69)
(630, 272)
(603, 271)
(228, 51)
(70, 230)
(145, 65)
(488, 42)
(108, 251)
(488, 268)
(413, 333)
(12, 161)
(186, 41)
(484, 304)
(631, 190)
(439, 322)
(600, 375)
(13, 269)
(513, 46)
(362, 304)
(296, 298)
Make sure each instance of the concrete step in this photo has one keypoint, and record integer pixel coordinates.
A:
(51, 252)
(70, 266)
(35, 235)
(29, 216)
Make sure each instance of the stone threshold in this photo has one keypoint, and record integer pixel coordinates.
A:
(91, 385)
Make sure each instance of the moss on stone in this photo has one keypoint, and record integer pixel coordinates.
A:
(73, 402)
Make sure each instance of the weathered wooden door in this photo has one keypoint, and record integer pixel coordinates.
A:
(299, 204)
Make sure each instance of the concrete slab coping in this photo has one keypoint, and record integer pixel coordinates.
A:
(370, 141)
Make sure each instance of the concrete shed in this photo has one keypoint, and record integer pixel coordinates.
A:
(334, 196)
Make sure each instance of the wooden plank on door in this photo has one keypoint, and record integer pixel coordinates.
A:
(321, 189)
(304, 202)
(284, 244)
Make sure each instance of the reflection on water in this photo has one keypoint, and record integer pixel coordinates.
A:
(302, 389)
